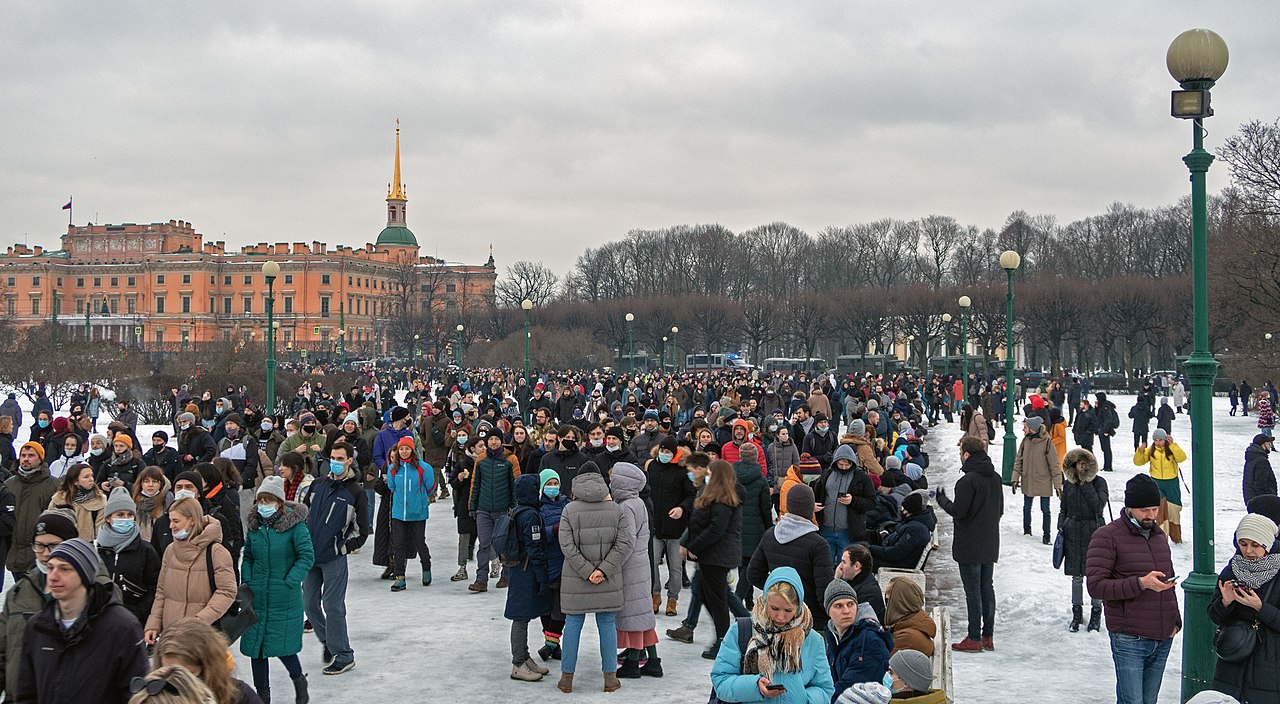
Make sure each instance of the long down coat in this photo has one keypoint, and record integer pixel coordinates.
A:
(1037, 469)
(276, 559)
(595, 534)
(637, 615)
(1084, 501)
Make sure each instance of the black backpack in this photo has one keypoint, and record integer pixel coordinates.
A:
(507, 543)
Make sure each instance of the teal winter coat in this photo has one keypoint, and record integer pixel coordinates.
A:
(276, 559)
(411, 485)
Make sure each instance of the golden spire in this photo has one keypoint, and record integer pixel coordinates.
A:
(397, 189)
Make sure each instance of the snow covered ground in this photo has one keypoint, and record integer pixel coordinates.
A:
(434, 643)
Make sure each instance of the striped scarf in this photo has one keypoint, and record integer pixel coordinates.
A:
(1256, 573)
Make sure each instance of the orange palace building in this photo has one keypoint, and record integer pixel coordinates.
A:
(161, 286)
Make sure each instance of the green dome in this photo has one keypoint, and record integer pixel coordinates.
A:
(402, 236)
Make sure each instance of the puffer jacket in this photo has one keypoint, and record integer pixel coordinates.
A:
(1084, 501)
(1036, 468)
(1162, 465)
(715, 534)
(595, 533)
(903, 547)
(781, 456)
(626, 483)
(669, 487)
(411, 487)
(792, 478)
(551, 510)
(1259, 478)
(338, 516)
(25, 599)
(276, 560)
(183, 589)
(493, 482)
(1119, 556)
(794, 542)
(914, 632)
(529, 587)
(861, 654)
(135, 569)
(757, 509)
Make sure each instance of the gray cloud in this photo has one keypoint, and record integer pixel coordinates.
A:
(545, 127)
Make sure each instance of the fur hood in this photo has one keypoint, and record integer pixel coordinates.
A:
(1075, 476)
(294, 513)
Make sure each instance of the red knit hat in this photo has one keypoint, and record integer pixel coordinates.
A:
(405, 441)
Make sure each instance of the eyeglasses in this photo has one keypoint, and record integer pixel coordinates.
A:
(40, 547)
(152, 687)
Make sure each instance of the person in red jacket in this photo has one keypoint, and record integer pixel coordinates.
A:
(1130, 568)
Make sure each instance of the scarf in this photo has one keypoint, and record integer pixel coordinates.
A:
(109, 538)
(774, 649)
(83, 495)
(117, 460)
(1256, 573)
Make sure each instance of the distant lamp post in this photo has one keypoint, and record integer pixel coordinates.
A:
(416, 337)
(964, 345)
(631, 348)
(526, 305)
(1009, 261)
(946, 342)
(342, 347)
(1196, 59)
(662, 361)
(675, 348)
(270, 271)
(460, 329)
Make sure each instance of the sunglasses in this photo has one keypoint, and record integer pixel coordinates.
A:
(152, 687)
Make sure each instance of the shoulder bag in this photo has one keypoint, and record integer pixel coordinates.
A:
(240, 615)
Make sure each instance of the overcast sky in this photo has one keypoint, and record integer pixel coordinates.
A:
(546, 127)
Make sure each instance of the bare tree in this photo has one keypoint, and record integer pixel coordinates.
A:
(1254, 158)
(533, 281)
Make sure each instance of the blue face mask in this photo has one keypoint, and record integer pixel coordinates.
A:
(551, 491)
(336, 468)
(42, 423)
(887, 681)
(691, 477)
(664, 457)
(122, 525)
(266, 510)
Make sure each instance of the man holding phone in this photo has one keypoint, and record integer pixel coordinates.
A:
(1130, 569)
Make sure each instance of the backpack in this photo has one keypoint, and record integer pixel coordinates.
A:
(437, 435)
(507, 543)
(744, 639)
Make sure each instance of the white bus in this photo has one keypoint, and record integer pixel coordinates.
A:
(709, 362)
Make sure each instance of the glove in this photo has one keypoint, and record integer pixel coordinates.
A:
(1013, 486)
(1057, 491)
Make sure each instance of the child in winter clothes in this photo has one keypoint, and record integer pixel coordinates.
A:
(528, 582)
(857, 645)
(412, 483)
(551, 504)
(636, 624)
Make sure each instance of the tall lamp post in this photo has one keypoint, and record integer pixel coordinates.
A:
(675, 348)
(964, 346)
(631, 348)
(663, 360)
(270, 271)
(946, 341)
(1196, 59)
(460, 329)
(526, 305)
(1009, 261)
(416, 337)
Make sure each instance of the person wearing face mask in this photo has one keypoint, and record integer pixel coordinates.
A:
(188, 486)
(41, 429)
(672, 494)
(338, 520)
(615, 451)
(195, 445)
(121, 467)
(29, 593)
(551, 506)
(130, 560)
(492, 495)
(857, 645)
(409, 485)
(307, 441)
(183, 587)
(268, 436)
(822, 442)
(162, 456)
(649, 436)
(97, 452)
(277, 556)
(567, 460)
(29, 492)
(910, 679)
(70, 453)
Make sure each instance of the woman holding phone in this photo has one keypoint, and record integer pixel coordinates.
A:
(1246, 594)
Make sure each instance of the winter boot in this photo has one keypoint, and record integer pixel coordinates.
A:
(566, 682)
(629, 670)
(968, 645)
(388, 574)
(460, 575)
(1045, 540)
(1175, 533)
(478, 587)
(712, 650)
(1077, 618)
(502, 582)
(300, 695)
(684, 634)
(426, 578)
(529, 663)
(988, 643)
(1095, 619)
(611, 683)
(652, 668)
(657, 602)
(1026, 530)
(546, 652)
(523, 673)
(265, 695)
(671, 607)
(399, 585)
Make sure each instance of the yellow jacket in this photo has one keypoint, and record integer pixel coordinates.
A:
(1162, 466)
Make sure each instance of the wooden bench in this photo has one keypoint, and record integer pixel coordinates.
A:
(942, 652)
(885, 574)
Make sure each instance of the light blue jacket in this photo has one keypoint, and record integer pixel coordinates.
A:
(811, 685)
(411, 484)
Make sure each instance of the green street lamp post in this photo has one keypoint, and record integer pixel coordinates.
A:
(675, 348)
(964, 346)
(460, 329)
(631, 347)
(946, 340)
(416, 337)
(270, 271)
(1196, 59)
(526, 305)
(662, 361)
(1009, 261)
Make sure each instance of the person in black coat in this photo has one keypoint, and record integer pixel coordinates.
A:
(902, 548)
(1248, 592)
(1085, 425)
(821, 443)
(567, 460)
(162, 456)
(757, 514)
(195, 444)
(222, 507)
(1141, 415)
(1165, 416)
(672, 495)
(98, 656)
(794, 542)
(844, 493)
(131, 561)
(714, 541)
(1107, 423)
(1259, 478)
(976, 510)
(1084, 499)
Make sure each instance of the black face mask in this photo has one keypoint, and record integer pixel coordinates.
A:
(569, 445)
(308, 429)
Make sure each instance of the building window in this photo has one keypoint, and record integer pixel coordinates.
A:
(248, 280)
(13, 281)
(248, 305)
(115, 305)
(324, 306)
(226, 305)
(186, 335)
(35, 306)
(226, 281)
(160, 279)
(132, 306)
(186, 304)
(79, 282)
(288, 336)
(159, 336)
(79, 306)
(226, 336)
(115, 281)
(12, 306)
(350, 279)
(288, 278)
(59, 282)
(212, 307)
(131, 281)
(186, 279)
(211, 279)
(97, 282)
(288, 304)
(35, 281)
(324, 279)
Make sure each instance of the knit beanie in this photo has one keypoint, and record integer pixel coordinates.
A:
(914, 503)
(748, 452)
(35, 446)
(188, 417)
(164, 437)
(406, 441)
(809, 467)
(82, 556)
(194, 478)
(914, 669)
(545, 476)
(399, 413)
(1141, 492)
(1034, 423)
(306, 417)
(123, 440)
(836, 590)
(858, 426)
(119, 500)
(892, 462)
(272, 485)
(1266, 505)
(865, 693)
(60, 522)
(1159, 434)
(1257, 528)
(800, 501)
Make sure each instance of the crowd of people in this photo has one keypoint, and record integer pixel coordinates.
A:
(772, 500)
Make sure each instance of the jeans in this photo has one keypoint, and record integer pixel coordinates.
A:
(980, 598)
(372, 500)
(485, 521)
(408, 538)
(1104, 444)
(1026, 513)
(1077, 593)
(606, 624)
(262, 671)
(466, 548)
(324, 592)
(695, 601)
(675, 566)
(1139, 667)
(519, 641)
(837, 540)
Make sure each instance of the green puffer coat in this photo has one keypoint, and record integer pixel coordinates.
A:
(276, 559)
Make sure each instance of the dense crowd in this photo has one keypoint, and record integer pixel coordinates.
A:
(774, 501)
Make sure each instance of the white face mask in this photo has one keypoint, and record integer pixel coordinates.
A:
(184, 494)
(181, 534)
